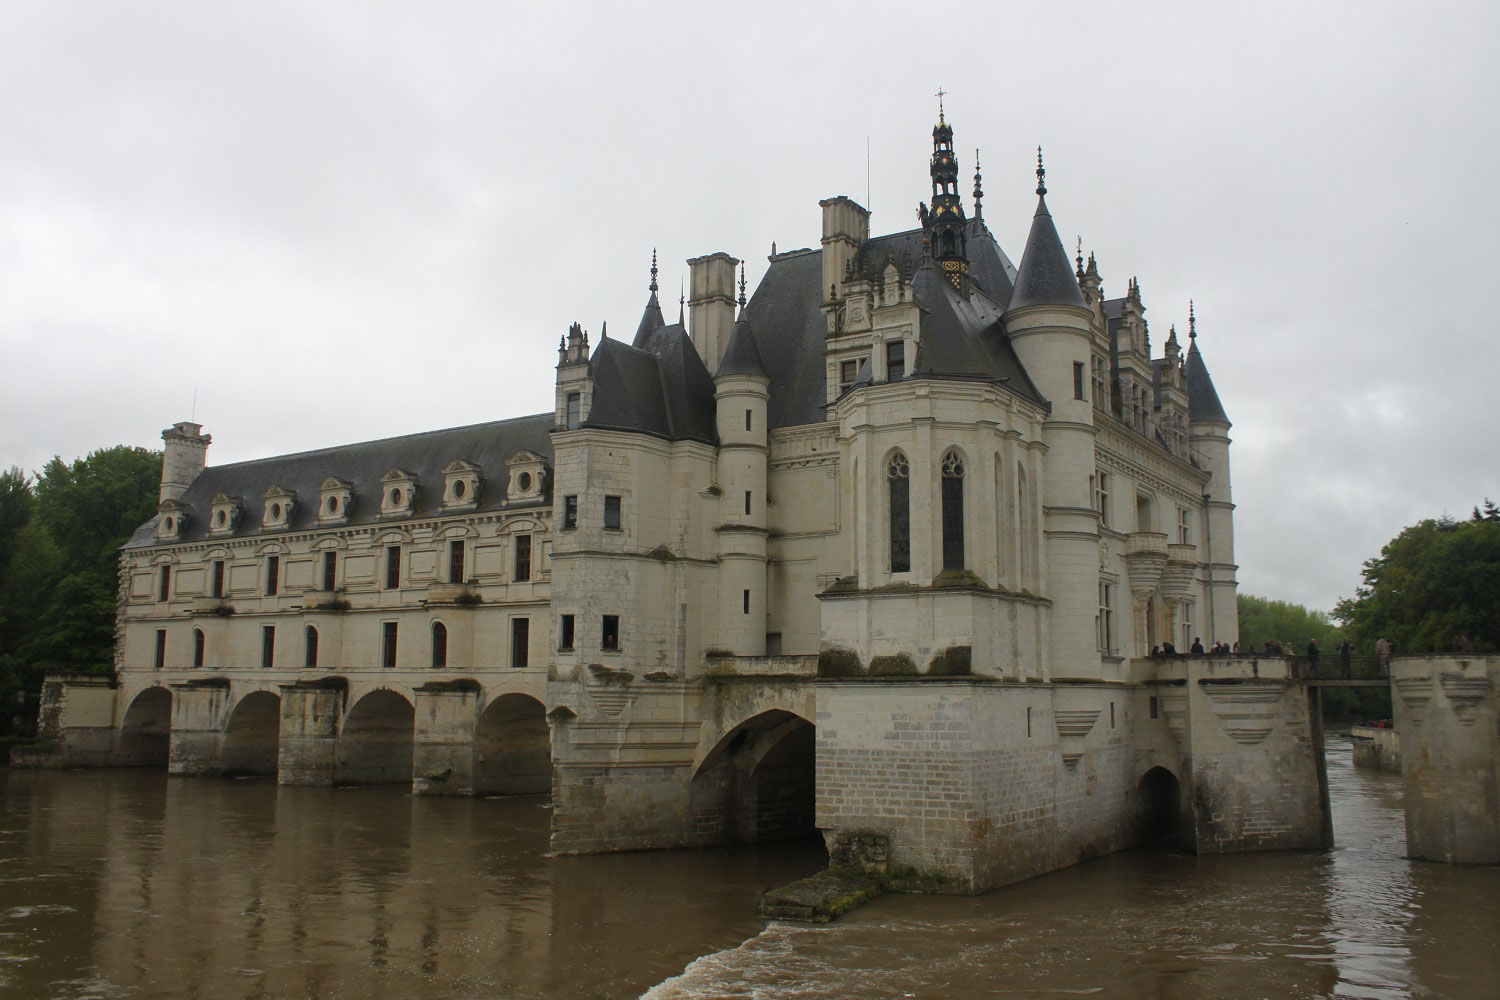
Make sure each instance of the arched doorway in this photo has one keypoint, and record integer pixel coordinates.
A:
(1159, 810)
(375, 744)
(146, 732)
(761, 779)
(252, 734)
(513, 748)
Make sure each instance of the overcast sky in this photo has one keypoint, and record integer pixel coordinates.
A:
(341, 221)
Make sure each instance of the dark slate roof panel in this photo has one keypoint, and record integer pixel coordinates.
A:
(1046, 276)
(486, 445)
(1203, 399)
(627, 391)
(651, 321)
(742, 357)
(790, 330)
(990, 268)
(963, 338)
(687, 388)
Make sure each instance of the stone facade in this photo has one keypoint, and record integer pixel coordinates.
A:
(902, 455)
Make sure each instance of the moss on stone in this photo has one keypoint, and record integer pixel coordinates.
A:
(955, 661)
(899, 665)
(839, 662)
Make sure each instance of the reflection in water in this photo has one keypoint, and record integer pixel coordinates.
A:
(130, 884)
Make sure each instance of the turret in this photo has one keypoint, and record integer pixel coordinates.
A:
(1208, 437)
(651, 319)
(945, 226)
(741, 392)
(573, 384)
(184, 455)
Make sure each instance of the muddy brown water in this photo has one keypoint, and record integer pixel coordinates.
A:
(130, 884)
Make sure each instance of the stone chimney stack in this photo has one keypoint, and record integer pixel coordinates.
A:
(711, 306)
(845, 226)
(185, 455)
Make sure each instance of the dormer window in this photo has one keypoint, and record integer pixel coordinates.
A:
(398, 493)
(526, 472)
(460, 485)
(172, 517)
(223, 514)
(277, 515)
(334, 497)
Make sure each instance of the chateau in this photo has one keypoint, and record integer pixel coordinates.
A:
(879, 551)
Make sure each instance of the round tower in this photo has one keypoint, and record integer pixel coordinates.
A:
(741, 392)
(1208, 438)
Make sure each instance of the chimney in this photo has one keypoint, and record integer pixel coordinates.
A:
(845, 226)
(185, 455)
(711, 306)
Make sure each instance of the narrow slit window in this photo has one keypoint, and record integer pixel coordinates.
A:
(161, 648)
(197, 647)
(612, 516)
(310, 648)
(898, 481)
(388, 635)
(164, 586)
(330, 569)
(747, 602)
(439, 645)
(953, 511)
(1078, 380)
(267, 646)
(218, 578)
(895, 360)
(456, 561)
(570, 512)
(392, 567)
(520, 642)
(523, 558)
(565, 633)
(273, 575)
(610, 632)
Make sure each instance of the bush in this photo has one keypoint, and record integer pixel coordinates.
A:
(955, 661)
(839, 662)
(900, 665)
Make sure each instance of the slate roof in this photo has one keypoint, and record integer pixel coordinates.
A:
(1203, 399)
(664, 391)
(486, 445)
(651, 322)
(741, 357)
(1046, 276)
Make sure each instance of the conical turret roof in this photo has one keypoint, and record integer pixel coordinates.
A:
(1203, 398)
(741, 357)
(651, 321)
(1046, 275)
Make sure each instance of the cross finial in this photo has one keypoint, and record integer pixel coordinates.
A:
(1041, 173)
(653, 270)
(939, 96)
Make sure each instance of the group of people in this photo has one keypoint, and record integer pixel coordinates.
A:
(1219, 649)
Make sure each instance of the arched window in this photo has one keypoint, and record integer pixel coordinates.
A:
(898, 478)
(310, 647)
(197, 647)
(953, 511)
(439, 645)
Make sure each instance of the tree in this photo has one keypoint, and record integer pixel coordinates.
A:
(59, 578)
(1434, 587)
(1282, 622)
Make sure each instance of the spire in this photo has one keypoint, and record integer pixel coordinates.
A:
(681, 303)
(653, 271)
(945, 226)
(1203, 398)
(978, 189)
(742, 289)
(1192, 322)
(1079, 259)
(651, 318)
(1044, 277)
(741, 357)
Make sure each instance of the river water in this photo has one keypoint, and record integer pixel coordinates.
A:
(130, 884)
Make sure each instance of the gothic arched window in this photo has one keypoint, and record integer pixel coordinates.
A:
(439, 645)
(953, 511)
(898, 478)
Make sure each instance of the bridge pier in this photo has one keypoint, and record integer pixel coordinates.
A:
(447, 714)
(1447, 710)
(307, 753)
(197, 737)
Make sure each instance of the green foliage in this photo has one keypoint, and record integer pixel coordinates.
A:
(1284, 622)
(1433, 587)
(59, 558)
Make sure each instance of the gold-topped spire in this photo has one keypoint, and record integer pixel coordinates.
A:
(940, 93)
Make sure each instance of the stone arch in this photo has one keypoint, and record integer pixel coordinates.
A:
(513, 747)
(758, 781)
(376, 740)
(252, 734)
(1160, 812)
(146, 730)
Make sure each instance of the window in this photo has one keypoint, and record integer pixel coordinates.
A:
(1187, 626)
(747, 503)
(1078, 380)
(218, 578)
(523, 558)
(310, 648)
(388, 644)
(610, 635)
(161, 646)
(570, 512)
(895, 360)
(197, 647)
(953, 511)
(1100, 381)
(164, 586)
(747, 419)
(1028, 722)
(612, 513)
(898, 480)
(1101, 496)
(273, 575)
(1111, 715)
(1184, 534)
(1106, 617)
(565, 632)
(573, 411)
(439, 645)
(747, 602)
(392, 567)
(456, 561)
(330, 569)
(267, 646)
(848, 372)
(1155, 707)
(520, 642)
